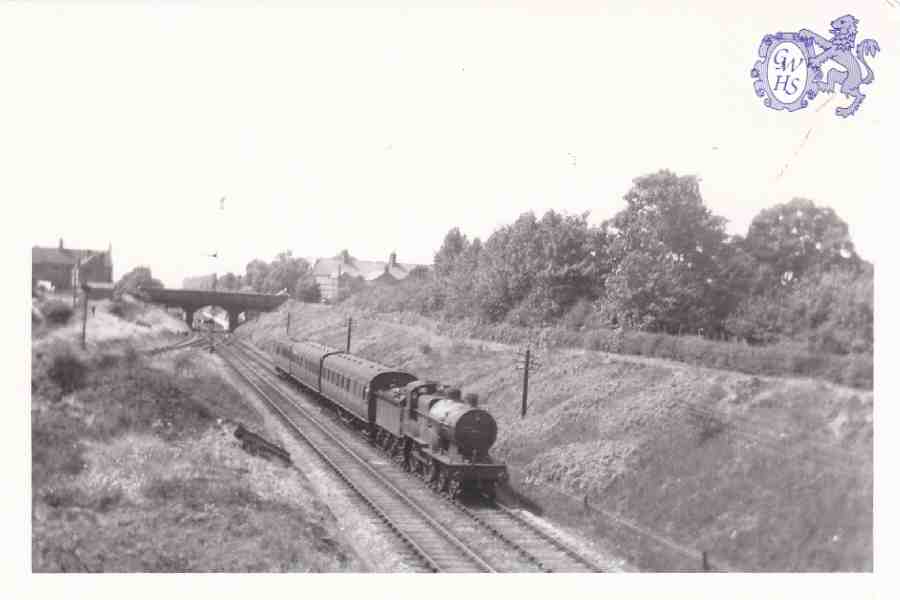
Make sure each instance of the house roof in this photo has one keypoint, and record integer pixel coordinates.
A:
(367, 269)
(63, 256)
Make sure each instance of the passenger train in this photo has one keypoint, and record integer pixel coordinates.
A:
(425, 426)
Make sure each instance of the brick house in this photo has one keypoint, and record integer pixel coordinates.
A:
(64, 267)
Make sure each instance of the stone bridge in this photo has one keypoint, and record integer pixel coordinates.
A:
(234, 303)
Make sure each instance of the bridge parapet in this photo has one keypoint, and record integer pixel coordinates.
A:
(233, 302)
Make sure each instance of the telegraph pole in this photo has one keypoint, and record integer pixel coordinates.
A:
(349, 329)
(84, 321)
(525, 382)
(75, 270)
(287, 328)
(527, 365)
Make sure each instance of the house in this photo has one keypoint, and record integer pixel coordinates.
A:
(65, 267)
(339, 274)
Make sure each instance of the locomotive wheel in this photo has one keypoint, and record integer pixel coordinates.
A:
(442, 481)
(454, 487)
(431, 472)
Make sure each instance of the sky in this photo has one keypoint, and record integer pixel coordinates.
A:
(377, 130)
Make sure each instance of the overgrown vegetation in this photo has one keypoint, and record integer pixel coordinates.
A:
(134, 281)
(662, 278)
(286, 274)
(116, 435)
(67, 371)
(56, 311)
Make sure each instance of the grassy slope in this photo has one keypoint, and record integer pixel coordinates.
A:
(612, 446)
(138, 470)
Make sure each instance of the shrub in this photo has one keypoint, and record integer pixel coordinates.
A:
(118, 308)
(425, 349)
(57, 312)
(67, 371)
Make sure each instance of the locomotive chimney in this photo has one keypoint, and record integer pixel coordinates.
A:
(471, 400)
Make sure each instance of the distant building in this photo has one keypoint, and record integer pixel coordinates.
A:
(65, 267)
(337, 274)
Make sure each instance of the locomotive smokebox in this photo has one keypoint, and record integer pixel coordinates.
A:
(472, 430)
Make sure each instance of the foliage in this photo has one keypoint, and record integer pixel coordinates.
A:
(661, 265)
(830, 310)
(665, 248)
(541, 266)
(67, 371)
(57, 312)
(136, 279)
(307, 290)
(798, 237)
(282, 274)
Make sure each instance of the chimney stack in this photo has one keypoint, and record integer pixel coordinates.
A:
(393, 259)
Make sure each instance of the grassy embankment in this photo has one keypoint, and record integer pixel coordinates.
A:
(772, 474)
(135, 468)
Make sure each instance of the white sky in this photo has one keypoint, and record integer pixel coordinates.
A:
(378, 130)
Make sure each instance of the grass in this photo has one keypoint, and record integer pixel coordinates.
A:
(135, 469)
(56, 312)
(618, 430)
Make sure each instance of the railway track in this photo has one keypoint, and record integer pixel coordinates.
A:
(481, 538)
(193, 340)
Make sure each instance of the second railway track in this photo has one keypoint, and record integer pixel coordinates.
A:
(444, 536)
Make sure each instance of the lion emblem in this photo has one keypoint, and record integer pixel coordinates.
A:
(840, 49)
(789, 73)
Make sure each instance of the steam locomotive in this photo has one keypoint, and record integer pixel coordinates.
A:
(427, 427)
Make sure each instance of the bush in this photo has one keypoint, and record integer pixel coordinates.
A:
(57, 312)
(67, 371)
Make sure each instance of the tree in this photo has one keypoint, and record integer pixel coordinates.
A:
(455, 244)
(797, 237)
(665, 251)
(256, 273)
(228, 281)
(136, 279)
(538, 268)
(307, 290)
(284, 273)
(831, 310)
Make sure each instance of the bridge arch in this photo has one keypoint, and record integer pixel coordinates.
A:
(233, 303)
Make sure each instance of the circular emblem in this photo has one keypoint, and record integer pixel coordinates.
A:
(783, 75)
